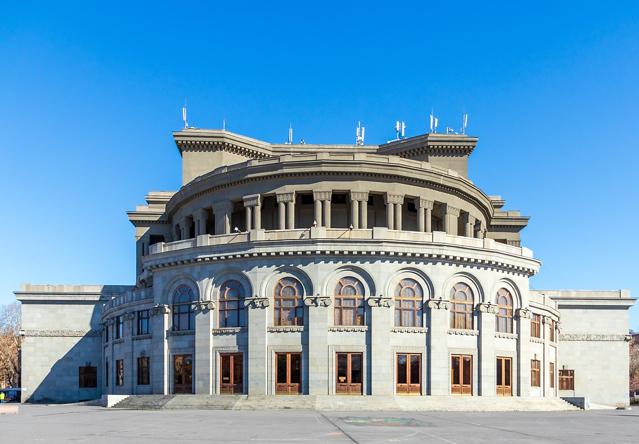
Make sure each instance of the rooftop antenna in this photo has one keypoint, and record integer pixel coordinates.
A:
(359, 134)
(464, 123)
(400, 129)
(186, 124)
(224, 124)
(434, 122)
(290, 134)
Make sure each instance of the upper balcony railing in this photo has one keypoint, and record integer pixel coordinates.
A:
(128, 297)
(338, 234)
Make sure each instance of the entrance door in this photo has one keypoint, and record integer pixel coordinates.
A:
(183, 374)
(409, 373)
(288, 373)
(231, 373)
(461, 374)
(504, 376)
(349, 374)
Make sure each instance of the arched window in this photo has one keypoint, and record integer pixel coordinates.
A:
(504, 311)
(289, 306)
(183, 316)
(461, 312)
(349, 302)
(408, 304)
(231, 304)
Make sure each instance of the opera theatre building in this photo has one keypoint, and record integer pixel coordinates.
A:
(328, 270)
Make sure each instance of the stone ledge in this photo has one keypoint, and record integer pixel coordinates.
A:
(180, 333)
(285, 329)
(61, 333)
(589, 337)
(506, 335)
(348, 328)
(228, 330)
(462, 332)
(141, 337)
(409, 330)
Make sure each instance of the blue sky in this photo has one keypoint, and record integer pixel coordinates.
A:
(90, 94)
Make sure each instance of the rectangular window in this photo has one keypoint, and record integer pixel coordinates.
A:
(553, 326)
(106, 373)
(119, 327)
(535, 376)
(88, 377)
(566, 379)
(106, 333)
(119, 372)
(144, 370)
(552, 374)
(535, 326)
(143, 322)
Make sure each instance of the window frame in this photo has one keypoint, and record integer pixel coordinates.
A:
(143, 317)
(566, 379)
(119, 372)
(280, 300)
(535, 326)
(358, 308)
(403, 302)
(144, 370)
(231, 309)
(535, 373)
(118, 327)
(462, 319)
(182, 311)
(551, 372)
(87, 379)
(552, 336)
(504, 312)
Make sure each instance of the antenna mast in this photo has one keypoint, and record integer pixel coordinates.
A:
(186, 124)
(359, 134)
(290, 134)
(464, 123)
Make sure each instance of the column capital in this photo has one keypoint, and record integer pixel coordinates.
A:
(359, 196)
(380, 302)
(160, 309)
(223, 206)
(129, 316)
(394, 198)
(424, 203)
(466, 218)
(438, 304)
(448, 209)
(285, 197)
(523, 313)
(317, 301)
(200, 213)
(256, 302)
(203, 306)
(252, 200)
(487, 307)
(322, 195)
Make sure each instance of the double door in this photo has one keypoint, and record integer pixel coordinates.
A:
(231, 373)
(504, 376)
(409, 374)
(288, 373)
(461, 374)
(183, 374)
(349, 373)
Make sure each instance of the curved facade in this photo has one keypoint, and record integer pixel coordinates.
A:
(326, 270)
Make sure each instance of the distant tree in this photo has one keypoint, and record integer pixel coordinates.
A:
(634, 362)
(10, 344)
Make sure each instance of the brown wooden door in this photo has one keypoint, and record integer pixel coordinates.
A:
(409, 373)
(504, 376)
(349, 373)
(461, 374)
(288, 373)
(182, 374)
(231, 373)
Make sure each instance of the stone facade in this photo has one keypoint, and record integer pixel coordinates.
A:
(322, 270)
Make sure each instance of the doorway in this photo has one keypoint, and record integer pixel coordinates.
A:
(231, 373)
(349, 373)
(183, 374)
(461, 374)
(504, 376)
(409, 373)
(288, 373)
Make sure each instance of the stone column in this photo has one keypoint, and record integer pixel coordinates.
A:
(253, 212)
(359, 209)
(257, 358)
(469, 224)
(439, 359)
(393, 207)
(424, 214)
(327, 212)
(199, 218)
(451, 214)
(481, 231)
(354, 213)
(281, 214)
(318, 312)
(363, 207)
(398, 216)
(382, 364)
(184, 228)
(160, 364)
(203, 372)
(222, 211)
(487, 358)
(129, 359)
(286, 202)
(318, 197)
(523, 316)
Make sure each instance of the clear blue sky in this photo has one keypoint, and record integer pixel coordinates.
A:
(89, 96)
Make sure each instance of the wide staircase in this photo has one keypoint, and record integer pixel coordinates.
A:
(344, 403)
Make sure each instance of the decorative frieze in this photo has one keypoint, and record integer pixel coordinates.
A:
(317, 301)
(394, 198)
(438, 304)
(141, 337)
(285, 197)
(380, 302)
(203, 306)
(593, 337)
(348, 328)
(251, 201)
(160, 309)
(523, 313)
(180, 332)
(536, 340)
(463, 332)
(506, 335)
(61, 333)
(409, 330)
(487, 307)
(256, 302)
(322, 195)
(359, 196)
(285, 329)
(225, 331)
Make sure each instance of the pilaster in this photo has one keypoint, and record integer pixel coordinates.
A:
(523, 351)
(438, 359)
(381, 360)
(451, 215)
(203, 373)
(222, 211)
(159, 357)
(318, 313)
(257, 343)
(487, 357)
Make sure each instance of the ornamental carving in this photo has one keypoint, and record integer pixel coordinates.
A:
(129, 316)
(587, 337)
(203, 306)
(317, 301)
(359, 195)
(380, 302)
(438, 304)
(506, 335)
(409, 329)
(524, 313)
(487, 307)
(285, 329)
(60, 333)
(348, 328)
(160, 309)
(228, 330)
(463, 332)
(256, 302)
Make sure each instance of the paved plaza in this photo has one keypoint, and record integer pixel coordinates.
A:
(81, 424)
